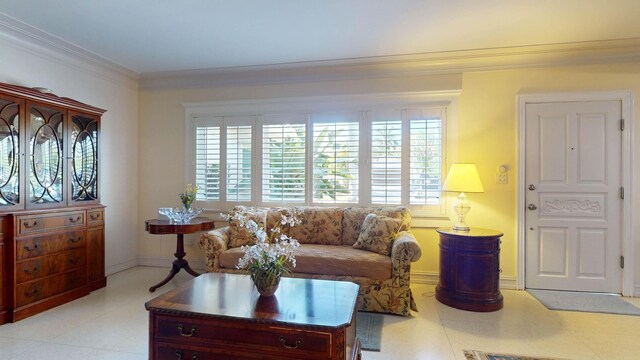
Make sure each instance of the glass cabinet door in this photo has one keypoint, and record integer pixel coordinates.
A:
(10, 154)
(83, 142)
(46, 168)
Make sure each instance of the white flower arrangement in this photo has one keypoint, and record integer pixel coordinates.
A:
(273, 254)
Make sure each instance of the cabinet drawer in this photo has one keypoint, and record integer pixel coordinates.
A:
(49, 244)
(163, 351)
(251, 337)
(95, 216)
(29, 224)
(32, 291)
(53, 264)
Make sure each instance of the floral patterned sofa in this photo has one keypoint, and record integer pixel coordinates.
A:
(333, 245)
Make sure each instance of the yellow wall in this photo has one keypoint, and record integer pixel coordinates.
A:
(486, 135)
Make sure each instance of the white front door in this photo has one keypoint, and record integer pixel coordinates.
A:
(573, 176)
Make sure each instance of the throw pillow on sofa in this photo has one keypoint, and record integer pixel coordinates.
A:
(239, 236)
(377, 234)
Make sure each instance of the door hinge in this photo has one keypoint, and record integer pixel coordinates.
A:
(622, 192)
(621, 124)
(621, 262)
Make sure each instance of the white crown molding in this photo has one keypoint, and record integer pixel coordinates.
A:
(43, 44)
(589, 52)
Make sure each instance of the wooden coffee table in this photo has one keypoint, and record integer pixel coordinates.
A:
(222, 316)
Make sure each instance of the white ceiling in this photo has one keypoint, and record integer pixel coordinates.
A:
(148, 36)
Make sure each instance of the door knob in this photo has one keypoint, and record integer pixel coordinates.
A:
(532, 207)
(532, 187)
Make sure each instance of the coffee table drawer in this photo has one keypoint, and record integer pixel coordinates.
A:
(292, 342)
(164, 351)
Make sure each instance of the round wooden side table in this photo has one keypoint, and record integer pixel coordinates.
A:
(163, 227)
(470, 269)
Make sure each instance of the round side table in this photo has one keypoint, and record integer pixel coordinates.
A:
(470, 269)
(163, 227)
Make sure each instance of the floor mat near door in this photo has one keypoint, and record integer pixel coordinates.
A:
(586, 302)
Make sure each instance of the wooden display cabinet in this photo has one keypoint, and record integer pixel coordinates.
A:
(52, 241)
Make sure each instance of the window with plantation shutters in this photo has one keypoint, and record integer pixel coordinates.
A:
(386, 162)
(335, 158)
(238, 163)
(425, 162)
(288, 154)
(207, 162)
(283, 163)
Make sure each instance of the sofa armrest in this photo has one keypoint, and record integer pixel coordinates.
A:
(405, 250)
(406, 242)
(214, 243)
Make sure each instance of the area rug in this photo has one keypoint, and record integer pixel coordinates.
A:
(369, 330)
(586, 302)
(481, 355)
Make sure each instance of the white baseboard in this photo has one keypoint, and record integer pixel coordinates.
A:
(425, 277)
(167, 262)
(636, 291)
(120, 267)
(431, 278)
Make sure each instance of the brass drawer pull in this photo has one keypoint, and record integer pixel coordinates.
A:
(181, 330)
(75, 240)
(94, 216)
(34, 270)
(32, 293)
(30, 224)
(76, 219)
(290, 347)
(31, 248)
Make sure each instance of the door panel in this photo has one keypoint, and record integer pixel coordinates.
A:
(573, 161)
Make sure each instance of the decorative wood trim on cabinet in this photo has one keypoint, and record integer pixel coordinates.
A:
(52, 240)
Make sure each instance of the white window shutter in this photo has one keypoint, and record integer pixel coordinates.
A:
(335, 158)
(283, 163)
(207, 162)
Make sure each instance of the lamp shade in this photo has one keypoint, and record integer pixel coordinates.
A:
(463, 178)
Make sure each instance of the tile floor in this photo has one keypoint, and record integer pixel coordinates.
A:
(111, 323)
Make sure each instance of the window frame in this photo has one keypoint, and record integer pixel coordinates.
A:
(446, 102)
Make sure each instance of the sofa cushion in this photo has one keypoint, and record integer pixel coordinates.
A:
(353, 218)
(377, 234)
(319, 225)
(337, 260)
(239, 236)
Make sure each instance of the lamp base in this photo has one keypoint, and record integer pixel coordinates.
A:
(461, 207)
(461, 227)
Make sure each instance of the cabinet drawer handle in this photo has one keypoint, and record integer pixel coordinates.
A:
(30, 224)
(31, 248)
(193, 357)
(291, 347)
(31, 271)
(32, 293)
(94, 216)
(181, 331)
(74, 260)
(75, 240)
(75, 220)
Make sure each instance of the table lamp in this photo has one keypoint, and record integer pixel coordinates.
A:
(462, 178)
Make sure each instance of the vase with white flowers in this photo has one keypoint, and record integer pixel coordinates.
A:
(271, 257)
